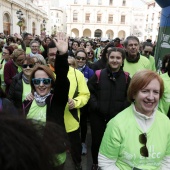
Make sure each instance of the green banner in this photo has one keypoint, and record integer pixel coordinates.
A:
(162, 46)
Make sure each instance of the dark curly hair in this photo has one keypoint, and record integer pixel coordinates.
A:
(28, 145)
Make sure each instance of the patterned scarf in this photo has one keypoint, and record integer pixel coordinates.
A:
(40, 100)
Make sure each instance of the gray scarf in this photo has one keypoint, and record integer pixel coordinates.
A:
(25, 79)
(40, 100)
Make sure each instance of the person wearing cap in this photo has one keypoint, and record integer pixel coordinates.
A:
(134, 61)
(116, 43)
(103, 43)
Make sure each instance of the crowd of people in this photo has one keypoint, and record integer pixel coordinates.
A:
(58, 84)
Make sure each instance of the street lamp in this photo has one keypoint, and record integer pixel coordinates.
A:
(20, 17)
(44, 23)
(54, 29)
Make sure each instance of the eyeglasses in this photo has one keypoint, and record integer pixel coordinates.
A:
(5, 53)
(52, 54)
(45, 81)
(143, 149)
(27, 65)
(34, 46)
(146, 52)
(89, 53)
(80, 58)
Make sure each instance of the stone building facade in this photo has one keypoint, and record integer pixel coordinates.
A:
(32, 21)
(153, 14)
(100, 18)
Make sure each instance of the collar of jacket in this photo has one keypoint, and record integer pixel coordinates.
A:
(133, 60)
(112, 76)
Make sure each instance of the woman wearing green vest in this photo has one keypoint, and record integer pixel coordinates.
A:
(138, 138)
(20, 86)
(50, 94)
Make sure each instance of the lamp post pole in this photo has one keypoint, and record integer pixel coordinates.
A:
(54, 29)
(20, 17)
(44, 24)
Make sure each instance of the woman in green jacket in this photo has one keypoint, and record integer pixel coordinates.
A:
(138, 138)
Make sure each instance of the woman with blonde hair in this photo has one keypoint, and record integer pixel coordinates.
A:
(72, 62)
(13, 66)
(39, 59)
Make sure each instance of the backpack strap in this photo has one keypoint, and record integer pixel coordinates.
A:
(0, 104)
(97, 72)
(126, 76)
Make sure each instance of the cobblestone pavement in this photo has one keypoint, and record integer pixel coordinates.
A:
(86, 159)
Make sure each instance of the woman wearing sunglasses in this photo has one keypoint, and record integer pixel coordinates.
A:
(50, 94)
(138, 138)
(20, 86)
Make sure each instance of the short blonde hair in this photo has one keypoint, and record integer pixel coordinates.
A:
(40, 59)
(73, 60)
(16, 53)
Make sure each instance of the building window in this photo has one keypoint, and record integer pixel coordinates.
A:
(75, 1)
(110, 19)
(87, 18)
(122, 19)
(99, 2)
(75, 16)
(158, 26)
(51, 13)
(111, 2)
(99, 18)
(147, 18)
(57, 14)
(124, 3)
(88, 2)
(152, 16)
(159, 15)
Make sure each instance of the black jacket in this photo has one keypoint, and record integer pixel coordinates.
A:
(57, 101)
(15, 91)
(8, 108)
(108, 97)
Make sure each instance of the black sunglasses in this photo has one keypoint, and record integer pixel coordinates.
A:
(45, 81)
(26, 65)
(146, 52)
(80, 58)
(89, 53)
(143, 149)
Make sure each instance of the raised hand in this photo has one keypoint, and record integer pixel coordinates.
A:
(61, 42)
(42, 37)
(18, 36)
